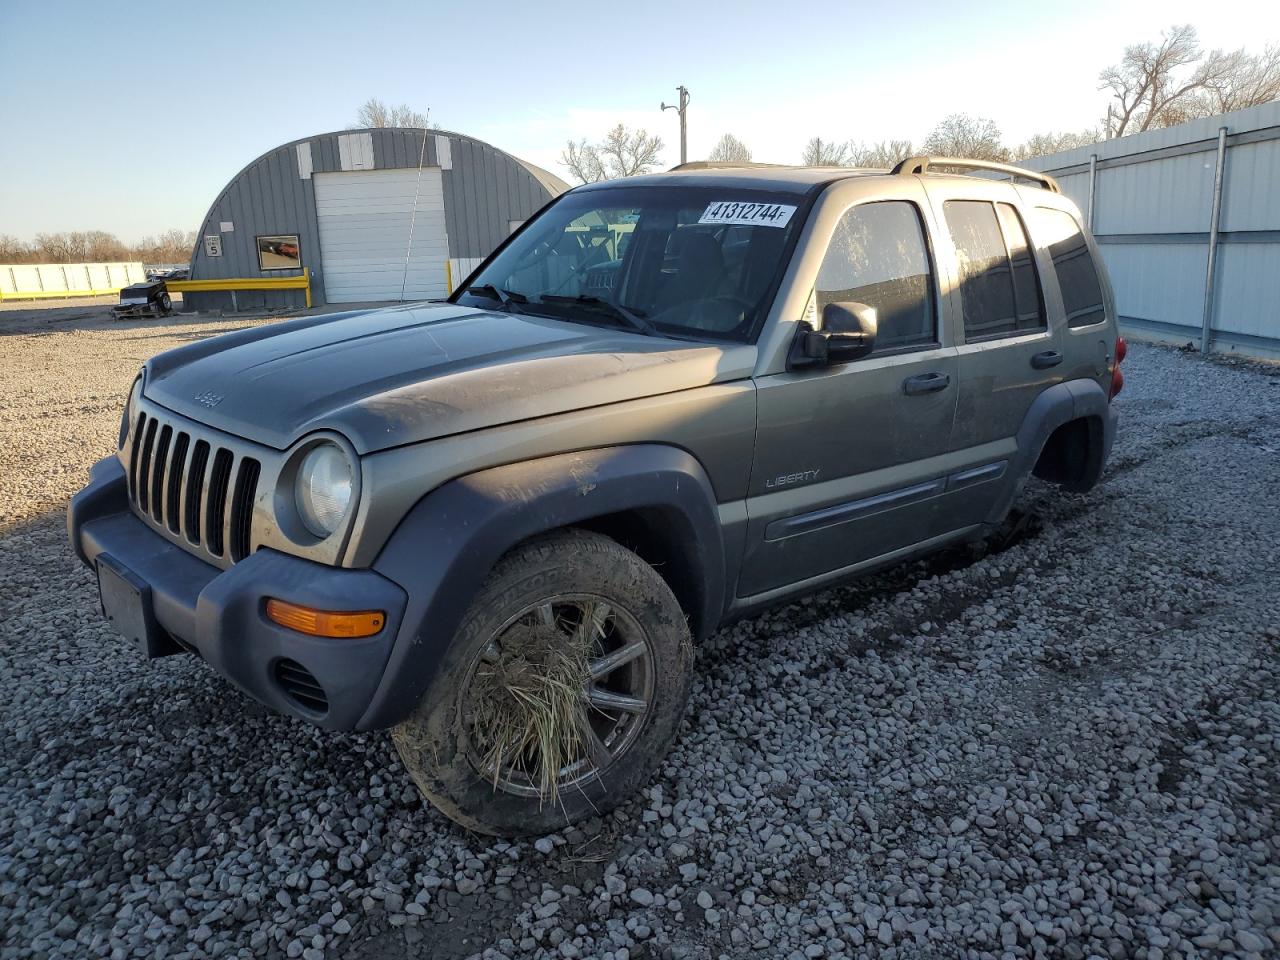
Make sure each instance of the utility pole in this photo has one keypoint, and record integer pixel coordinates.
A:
(684, 130)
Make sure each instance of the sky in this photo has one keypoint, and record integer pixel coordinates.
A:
(131, 117)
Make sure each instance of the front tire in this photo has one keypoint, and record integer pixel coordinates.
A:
(541, 604)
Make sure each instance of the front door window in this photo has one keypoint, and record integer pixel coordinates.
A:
(878, 256)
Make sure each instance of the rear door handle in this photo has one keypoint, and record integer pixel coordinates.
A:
(1043, 361)
(925, 383)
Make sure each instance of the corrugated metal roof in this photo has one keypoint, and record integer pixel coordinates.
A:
(554, 184)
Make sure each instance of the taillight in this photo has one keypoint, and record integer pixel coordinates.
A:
(1117, 376)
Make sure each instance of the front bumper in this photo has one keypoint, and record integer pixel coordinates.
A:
(220, 614)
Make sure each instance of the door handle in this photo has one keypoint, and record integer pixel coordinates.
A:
(1043, 361)
(925, 383)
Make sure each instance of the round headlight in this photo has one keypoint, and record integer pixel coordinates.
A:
(322, 490)
(126, 415)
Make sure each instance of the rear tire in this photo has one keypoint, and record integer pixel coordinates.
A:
(563, 572)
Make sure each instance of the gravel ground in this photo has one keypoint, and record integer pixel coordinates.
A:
(1065, 747)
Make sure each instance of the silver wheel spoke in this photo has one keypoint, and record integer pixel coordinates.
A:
(611, 662)
(491, 653)
(597, 753)
(603, 699)
(546, 616)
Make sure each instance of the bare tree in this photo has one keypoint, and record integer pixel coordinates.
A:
(13, 250)
(172, 246)
(960, 135)
(101, 247)
(729, 149)
(622, 153)
(825, 153)
(1244, 80)
(373, 113)
(583, 161)
(629, 152)
(1043, 144)
(61, 247)
(1159, 84)
(97, 246)
(886, 153)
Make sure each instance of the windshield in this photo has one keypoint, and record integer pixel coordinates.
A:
(699, 262)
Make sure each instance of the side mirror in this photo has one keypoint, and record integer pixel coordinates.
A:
(848, 333)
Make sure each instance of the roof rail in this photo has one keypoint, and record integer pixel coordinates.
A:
(922, 165)
(722, 165)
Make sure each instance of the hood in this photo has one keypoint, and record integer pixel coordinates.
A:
(401, 375)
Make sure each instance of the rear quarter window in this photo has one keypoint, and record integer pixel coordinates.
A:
(1059, 233)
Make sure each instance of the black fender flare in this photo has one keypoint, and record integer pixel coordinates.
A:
(1055, 406)
(446, 545)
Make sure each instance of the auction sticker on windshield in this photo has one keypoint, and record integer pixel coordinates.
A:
(747, 214)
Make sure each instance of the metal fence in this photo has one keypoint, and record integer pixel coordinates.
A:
(1188, 222)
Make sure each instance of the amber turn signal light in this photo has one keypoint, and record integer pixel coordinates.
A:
(325, 623)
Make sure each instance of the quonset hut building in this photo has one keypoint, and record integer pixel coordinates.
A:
(341, 206)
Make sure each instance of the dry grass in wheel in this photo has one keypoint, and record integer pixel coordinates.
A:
(528, 712)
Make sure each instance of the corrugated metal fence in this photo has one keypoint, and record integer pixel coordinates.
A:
(1188, 221)
(38, 280)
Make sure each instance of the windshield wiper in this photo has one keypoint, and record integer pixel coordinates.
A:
(629, 317)
(503, 296)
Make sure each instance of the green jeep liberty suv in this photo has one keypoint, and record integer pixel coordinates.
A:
(497, 525)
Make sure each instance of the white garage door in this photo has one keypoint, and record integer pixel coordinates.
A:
(364, 233)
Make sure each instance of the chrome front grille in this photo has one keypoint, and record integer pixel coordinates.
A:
(190, 485)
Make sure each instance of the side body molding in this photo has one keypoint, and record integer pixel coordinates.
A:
(445, 546)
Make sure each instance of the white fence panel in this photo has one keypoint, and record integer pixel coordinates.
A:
(1161, 196)
(1248, 289)
(1158, 280)
(1153, 201)
(1250, 195)
(35, 280)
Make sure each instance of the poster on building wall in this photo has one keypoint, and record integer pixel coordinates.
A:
(278, 253)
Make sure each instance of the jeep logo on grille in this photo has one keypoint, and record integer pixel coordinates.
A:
(208, 398)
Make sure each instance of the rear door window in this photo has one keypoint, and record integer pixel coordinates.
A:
(1026, 283)
(1082, 297)
(999, 290)
(878, 256)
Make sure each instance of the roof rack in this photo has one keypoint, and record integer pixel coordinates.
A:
(722, 165)
(922, 165)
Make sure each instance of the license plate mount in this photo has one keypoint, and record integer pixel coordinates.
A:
(126, 602)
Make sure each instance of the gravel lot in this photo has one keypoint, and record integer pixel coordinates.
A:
(1067, 747)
